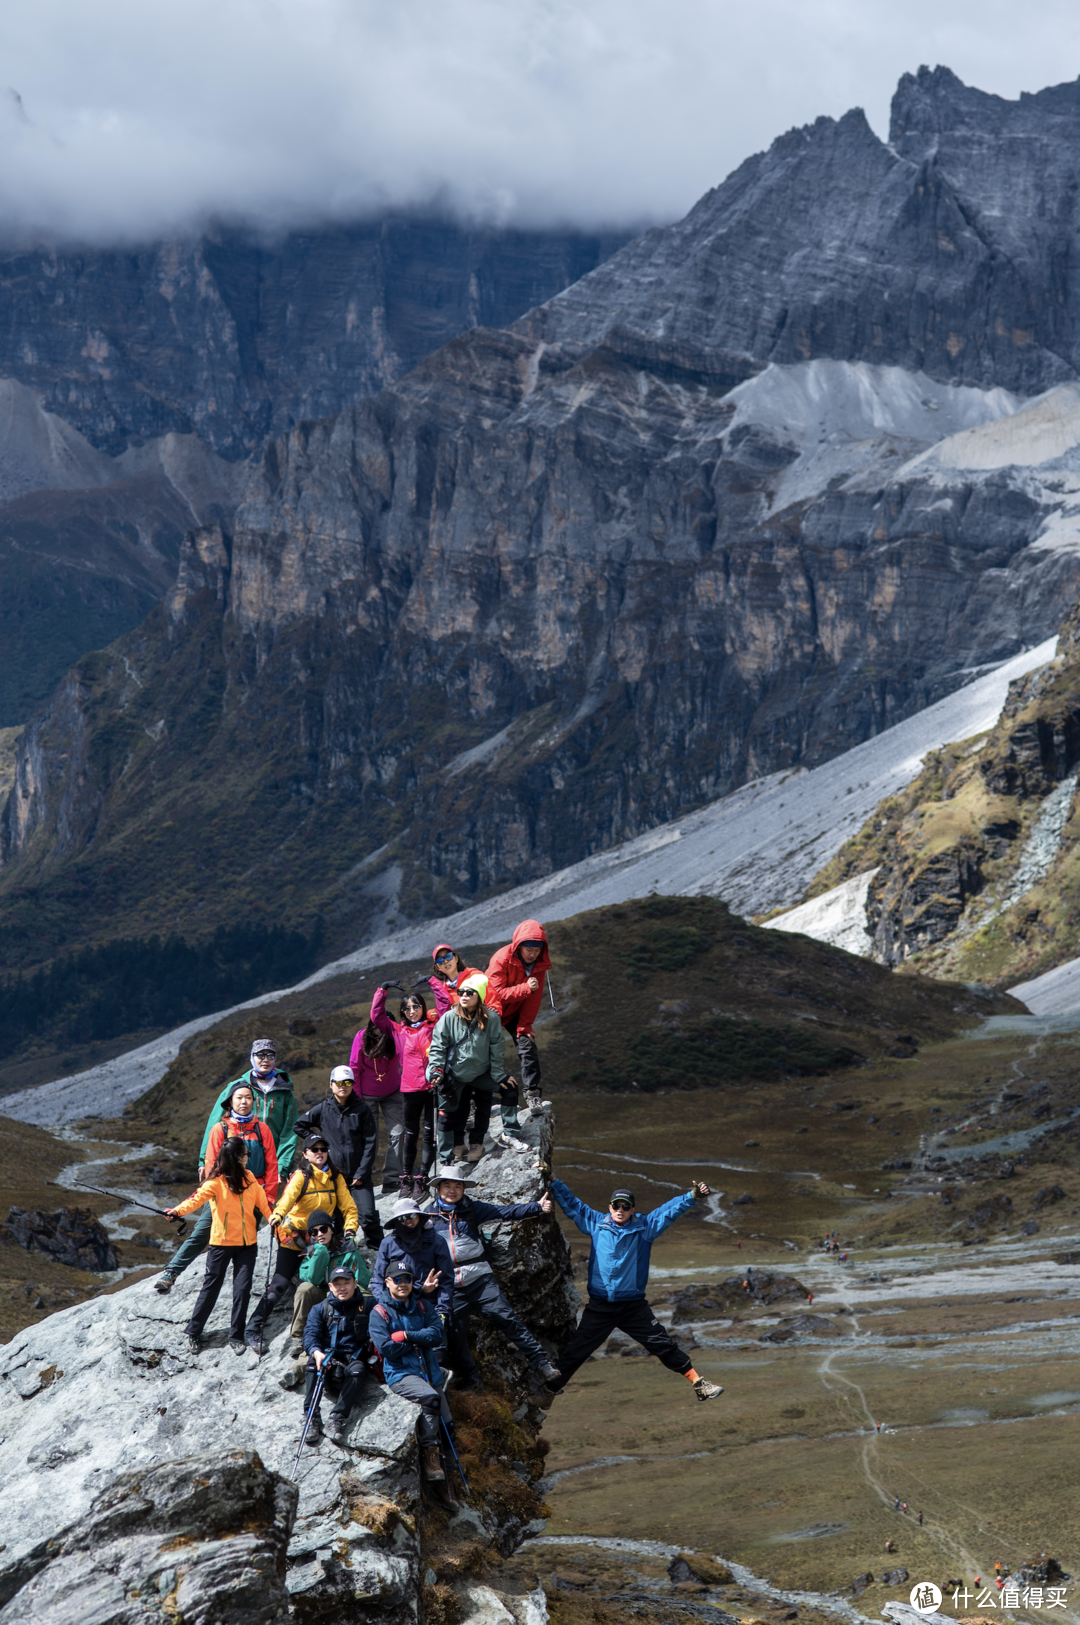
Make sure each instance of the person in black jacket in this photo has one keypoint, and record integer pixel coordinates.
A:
(457, 1218)
(337, 1330)
(411, 1239)
(348, 1126)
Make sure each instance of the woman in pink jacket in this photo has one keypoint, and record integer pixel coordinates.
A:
(377, 1074)
(411, 1034)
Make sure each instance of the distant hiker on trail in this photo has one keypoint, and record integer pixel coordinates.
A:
(407, 1333)
(326, 1252)
(466, 1067)
(412, 1032)
(237, 1121)
(516, 977)
(377, 1072)
(413, 1241)
(457, 1218)
(451, 970)
(622, 1241)
(337, 1331)
(346, 1123)
(235, 1197)
(315, 1184)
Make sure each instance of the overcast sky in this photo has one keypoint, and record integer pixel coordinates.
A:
(133, 117)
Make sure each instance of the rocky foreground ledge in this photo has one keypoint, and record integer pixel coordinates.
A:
(143, 1483)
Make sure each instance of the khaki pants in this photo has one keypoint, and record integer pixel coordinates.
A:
(307, 1296)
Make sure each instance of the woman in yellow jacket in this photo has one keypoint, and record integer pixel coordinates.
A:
(235, 1197)
(316, 1184)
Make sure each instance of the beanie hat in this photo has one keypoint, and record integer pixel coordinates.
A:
(317, 1218)
(477, 981)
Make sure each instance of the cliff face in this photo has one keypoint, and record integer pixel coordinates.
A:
(564, 582)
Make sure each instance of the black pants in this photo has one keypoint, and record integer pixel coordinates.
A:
(364, 1197)
(528, 1061)
(218, 1260)
(286, 1266)
(348, 1381)
(419, 1105)
(485, 1298)
(480, 1099)
(636, 1319)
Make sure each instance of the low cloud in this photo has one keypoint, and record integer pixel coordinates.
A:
(127, 120)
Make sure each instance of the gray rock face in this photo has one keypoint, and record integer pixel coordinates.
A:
(110, 1426)
(199, 1540)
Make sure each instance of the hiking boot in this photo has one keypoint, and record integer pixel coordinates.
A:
(294, 1377)
(192, 1342)
(165, 1281)
(534, 1099)
(296, 1348)
(549, 1372)
(389, 1185)
(254, 1338)
(237, 1345)
(335, 1428)
(705, 1389)
(509, 1142)
(475, 1152)
(315, 1430)
(432, 1463)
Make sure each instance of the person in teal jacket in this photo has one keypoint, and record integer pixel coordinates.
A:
(621, 1244)
(465, 1064)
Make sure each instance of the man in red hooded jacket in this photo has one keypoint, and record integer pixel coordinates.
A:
(516, 991)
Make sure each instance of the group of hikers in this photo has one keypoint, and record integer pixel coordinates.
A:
(434, 1073)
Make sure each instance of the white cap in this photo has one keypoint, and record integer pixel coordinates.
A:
(342, 1074)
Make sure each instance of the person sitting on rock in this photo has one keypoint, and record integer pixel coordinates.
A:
(451, 970)
(273, 1108)
(345, 1122)
(466, 1067)
(336, 1330)
(315, 1184)
(458, 1218)
(235, 1197)
(516, 977)
(412, 1240)
(621, 1243)
(405, 1331)
(326, 1252)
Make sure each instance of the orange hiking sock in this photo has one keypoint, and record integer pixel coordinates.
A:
(692, 1376)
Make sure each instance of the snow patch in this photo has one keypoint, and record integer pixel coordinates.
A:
(1040, 432)
(837, 916)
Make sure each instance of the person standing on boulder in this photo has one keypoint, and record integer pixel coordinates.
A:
(621, 1242)
(407, 1333)
(516, 977)
(451, 970)
(344, 1120)
(235, 1197)
(411, 1033)
(377, 1073)
(238, 1119)
(457, 1219)
(465, 1064)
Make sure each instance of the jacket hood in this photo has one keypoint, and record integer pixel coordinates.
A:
(279, 1082)
(532, 931)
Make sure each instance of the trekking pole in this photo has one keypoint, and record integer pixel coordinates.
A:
(269, 1258)
(131, 1201)
(316, 1395)
(551, 995)
(453, 1452)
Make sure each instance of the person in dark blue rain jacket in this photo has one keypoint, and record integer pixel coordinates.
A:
(407, 1333)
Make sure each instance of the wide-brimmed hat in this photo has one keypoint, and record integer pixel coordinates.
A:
(461, 1171)
(404, 1206)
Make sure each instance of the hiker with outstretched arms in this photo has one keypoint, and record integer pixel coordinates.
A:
(457, 1219)
(621, 1242)
(235, 1199)
(336, 1331)
(260, 1107)
(407, 1333)
(516, 978)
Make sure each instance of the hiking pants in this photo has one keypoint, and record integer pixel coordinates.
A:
(528, 1061)
(393, 1115)
(636, 1319)
(218, 1260)
(479, 1094)
(485, 1297)
(348, 1383)
(419, 1105)
(431, 1402)
(307, 1296)
(286, 1265)
(364, 1197)
(198, 1241)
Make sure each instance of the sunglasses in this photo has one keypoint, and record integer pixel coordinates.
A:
(401, 1279)
(320, 1229)
(440, 959)
(622, 1207)
(468, 993)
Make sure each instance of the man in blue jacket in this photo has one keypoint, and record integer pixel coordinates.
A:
(337, 1330)
(622, 1241)
(406, 1333)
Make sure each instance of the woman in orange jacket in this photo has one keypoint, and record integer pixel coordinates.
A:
(235, 1197)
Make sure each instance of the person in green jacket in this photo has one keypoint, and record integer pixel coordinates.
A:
(465, 1063)
(325, 1252)
(274, 1105)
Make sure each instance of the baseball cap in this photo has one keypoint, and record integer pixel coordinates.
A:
(342, 1074)
(342, 1274)
(623, 1195)
(317, 1143)
(400, 1273)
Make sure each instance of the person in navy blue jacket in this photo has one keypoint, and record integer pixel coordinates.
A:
(413, 1240)
(457, 1219)
(407, 1333)
(622, 1241)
